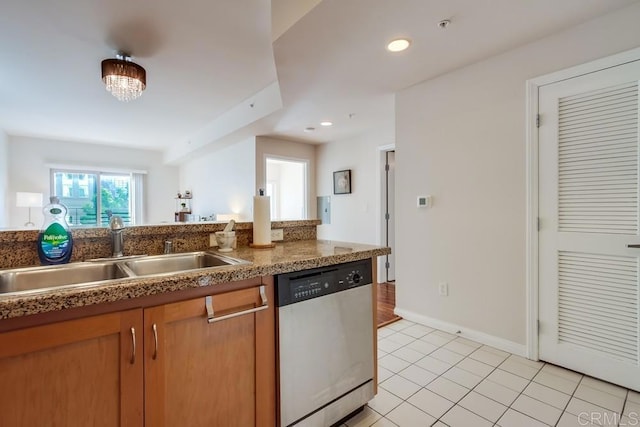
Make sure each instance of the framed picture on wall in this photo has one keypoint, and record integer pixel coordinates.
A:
(342, 182)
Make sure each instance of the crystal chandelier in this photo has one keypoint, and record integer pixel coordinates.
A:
(123, 78)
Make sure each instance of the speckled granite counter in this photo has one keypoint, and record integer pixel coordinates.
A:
(285, 257)
(18, 247)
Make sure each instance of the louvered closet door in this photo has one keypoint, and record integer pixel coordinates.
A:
(588, 184)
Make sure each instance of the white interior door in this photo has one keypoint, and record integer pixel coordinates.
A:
(588, 194)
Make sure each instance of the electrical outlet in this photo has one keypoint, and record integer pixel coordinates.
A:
(443, 289)
(277, 235)
(212, 240)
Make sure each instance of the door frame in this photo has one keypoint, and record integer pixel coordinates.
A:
(532, 173)
(382, 160)
(388, 222)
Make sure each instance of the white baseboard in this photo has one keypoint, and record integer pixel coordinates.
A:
(481, 337)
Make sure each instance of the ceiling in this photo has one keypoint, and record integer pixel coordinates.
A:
(218, 70)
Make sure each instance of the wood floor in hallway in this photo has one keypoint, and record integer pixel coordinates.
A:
(386, 304)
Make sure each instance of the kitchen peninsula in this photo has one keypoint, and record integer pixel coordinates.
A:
(157, 350)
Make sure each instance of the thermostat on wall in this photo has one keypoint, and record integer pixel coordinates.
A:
(424, 201)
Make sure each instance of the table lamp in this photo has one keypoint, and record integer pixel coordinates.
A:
(28, 200)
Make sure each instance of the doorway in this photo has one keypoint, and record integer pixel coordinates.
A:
(389, 216)
(387, 285)
(286, 185)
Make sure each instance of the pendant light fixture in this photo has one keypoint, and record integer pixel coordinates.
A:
(123, 78)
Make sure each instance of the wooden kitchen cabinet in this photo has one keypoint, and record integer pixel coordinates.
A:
(157, 366)
(219, 372)
(85, 372)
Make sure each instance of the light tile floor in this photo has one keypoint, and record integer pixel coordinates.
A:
(431, 378)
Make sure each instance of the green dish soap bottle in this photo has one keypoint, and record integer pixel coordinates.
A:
(54, 241)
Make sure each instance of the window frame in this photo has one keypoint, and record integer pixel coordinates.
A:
(98, 173)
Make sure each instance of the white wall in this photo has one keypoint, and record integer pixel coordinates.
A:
(355, 217)
(29, 171)
(280, 148)
(222, 181)
(461, 138)
(4, 179)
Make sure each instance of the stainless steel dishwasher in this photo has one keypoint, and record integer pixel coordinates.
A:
(325, 342)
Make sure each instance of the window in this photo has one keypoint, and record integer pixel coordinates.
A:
(91, 197)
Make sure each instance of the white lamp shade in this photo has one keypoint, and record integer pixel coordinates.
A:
(28, 200)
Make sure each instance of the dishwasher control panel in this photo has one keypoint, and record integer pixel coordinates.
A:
(307, 284)
(311, 287)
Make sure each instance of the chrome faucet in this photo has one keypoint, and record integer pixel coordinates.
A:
(168, 247)
(117, 242)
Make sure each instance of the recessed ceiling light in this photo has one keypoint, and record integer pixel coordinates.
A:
(326, 123)
(309, 129)
(398, 45)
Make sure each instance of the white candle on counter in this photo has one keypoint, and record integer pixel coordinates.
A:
(261, 220)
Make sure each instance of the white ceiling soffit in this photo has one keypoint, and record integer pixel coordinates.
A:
(242, 115)
(333, 62)
(202, 58)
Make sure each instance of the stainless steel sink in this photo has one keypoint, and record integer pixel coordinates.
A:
(31, 279)
(172, 263)
(80, 274)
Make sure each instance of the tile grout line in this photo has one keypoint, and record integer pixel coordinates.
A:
(465, 395)
(410, 364)
(485, 377)
(473, 389)
(583, 376)
(520, 394)
(569, 401)
(447, 370)
(624, 405)
(565, 406)
(439, 375)
(470, 390)
(507, 407)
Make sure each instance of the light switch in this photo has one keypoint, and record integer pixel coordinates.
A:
(424, 201)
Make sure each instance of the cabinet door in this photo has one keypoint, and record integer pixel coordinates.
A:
(211, 372)
(81, 372)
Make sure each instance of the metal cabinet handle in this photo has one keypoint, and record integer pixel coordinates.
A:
(634, 246)
(155, 340)
(209, 305)
(133, 341)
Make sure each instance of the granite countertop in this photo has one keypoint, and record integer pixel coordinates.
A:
(284, 258)
(29, 234)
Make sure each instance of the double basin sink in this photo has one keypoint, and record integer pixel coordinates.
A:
(28, 280)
